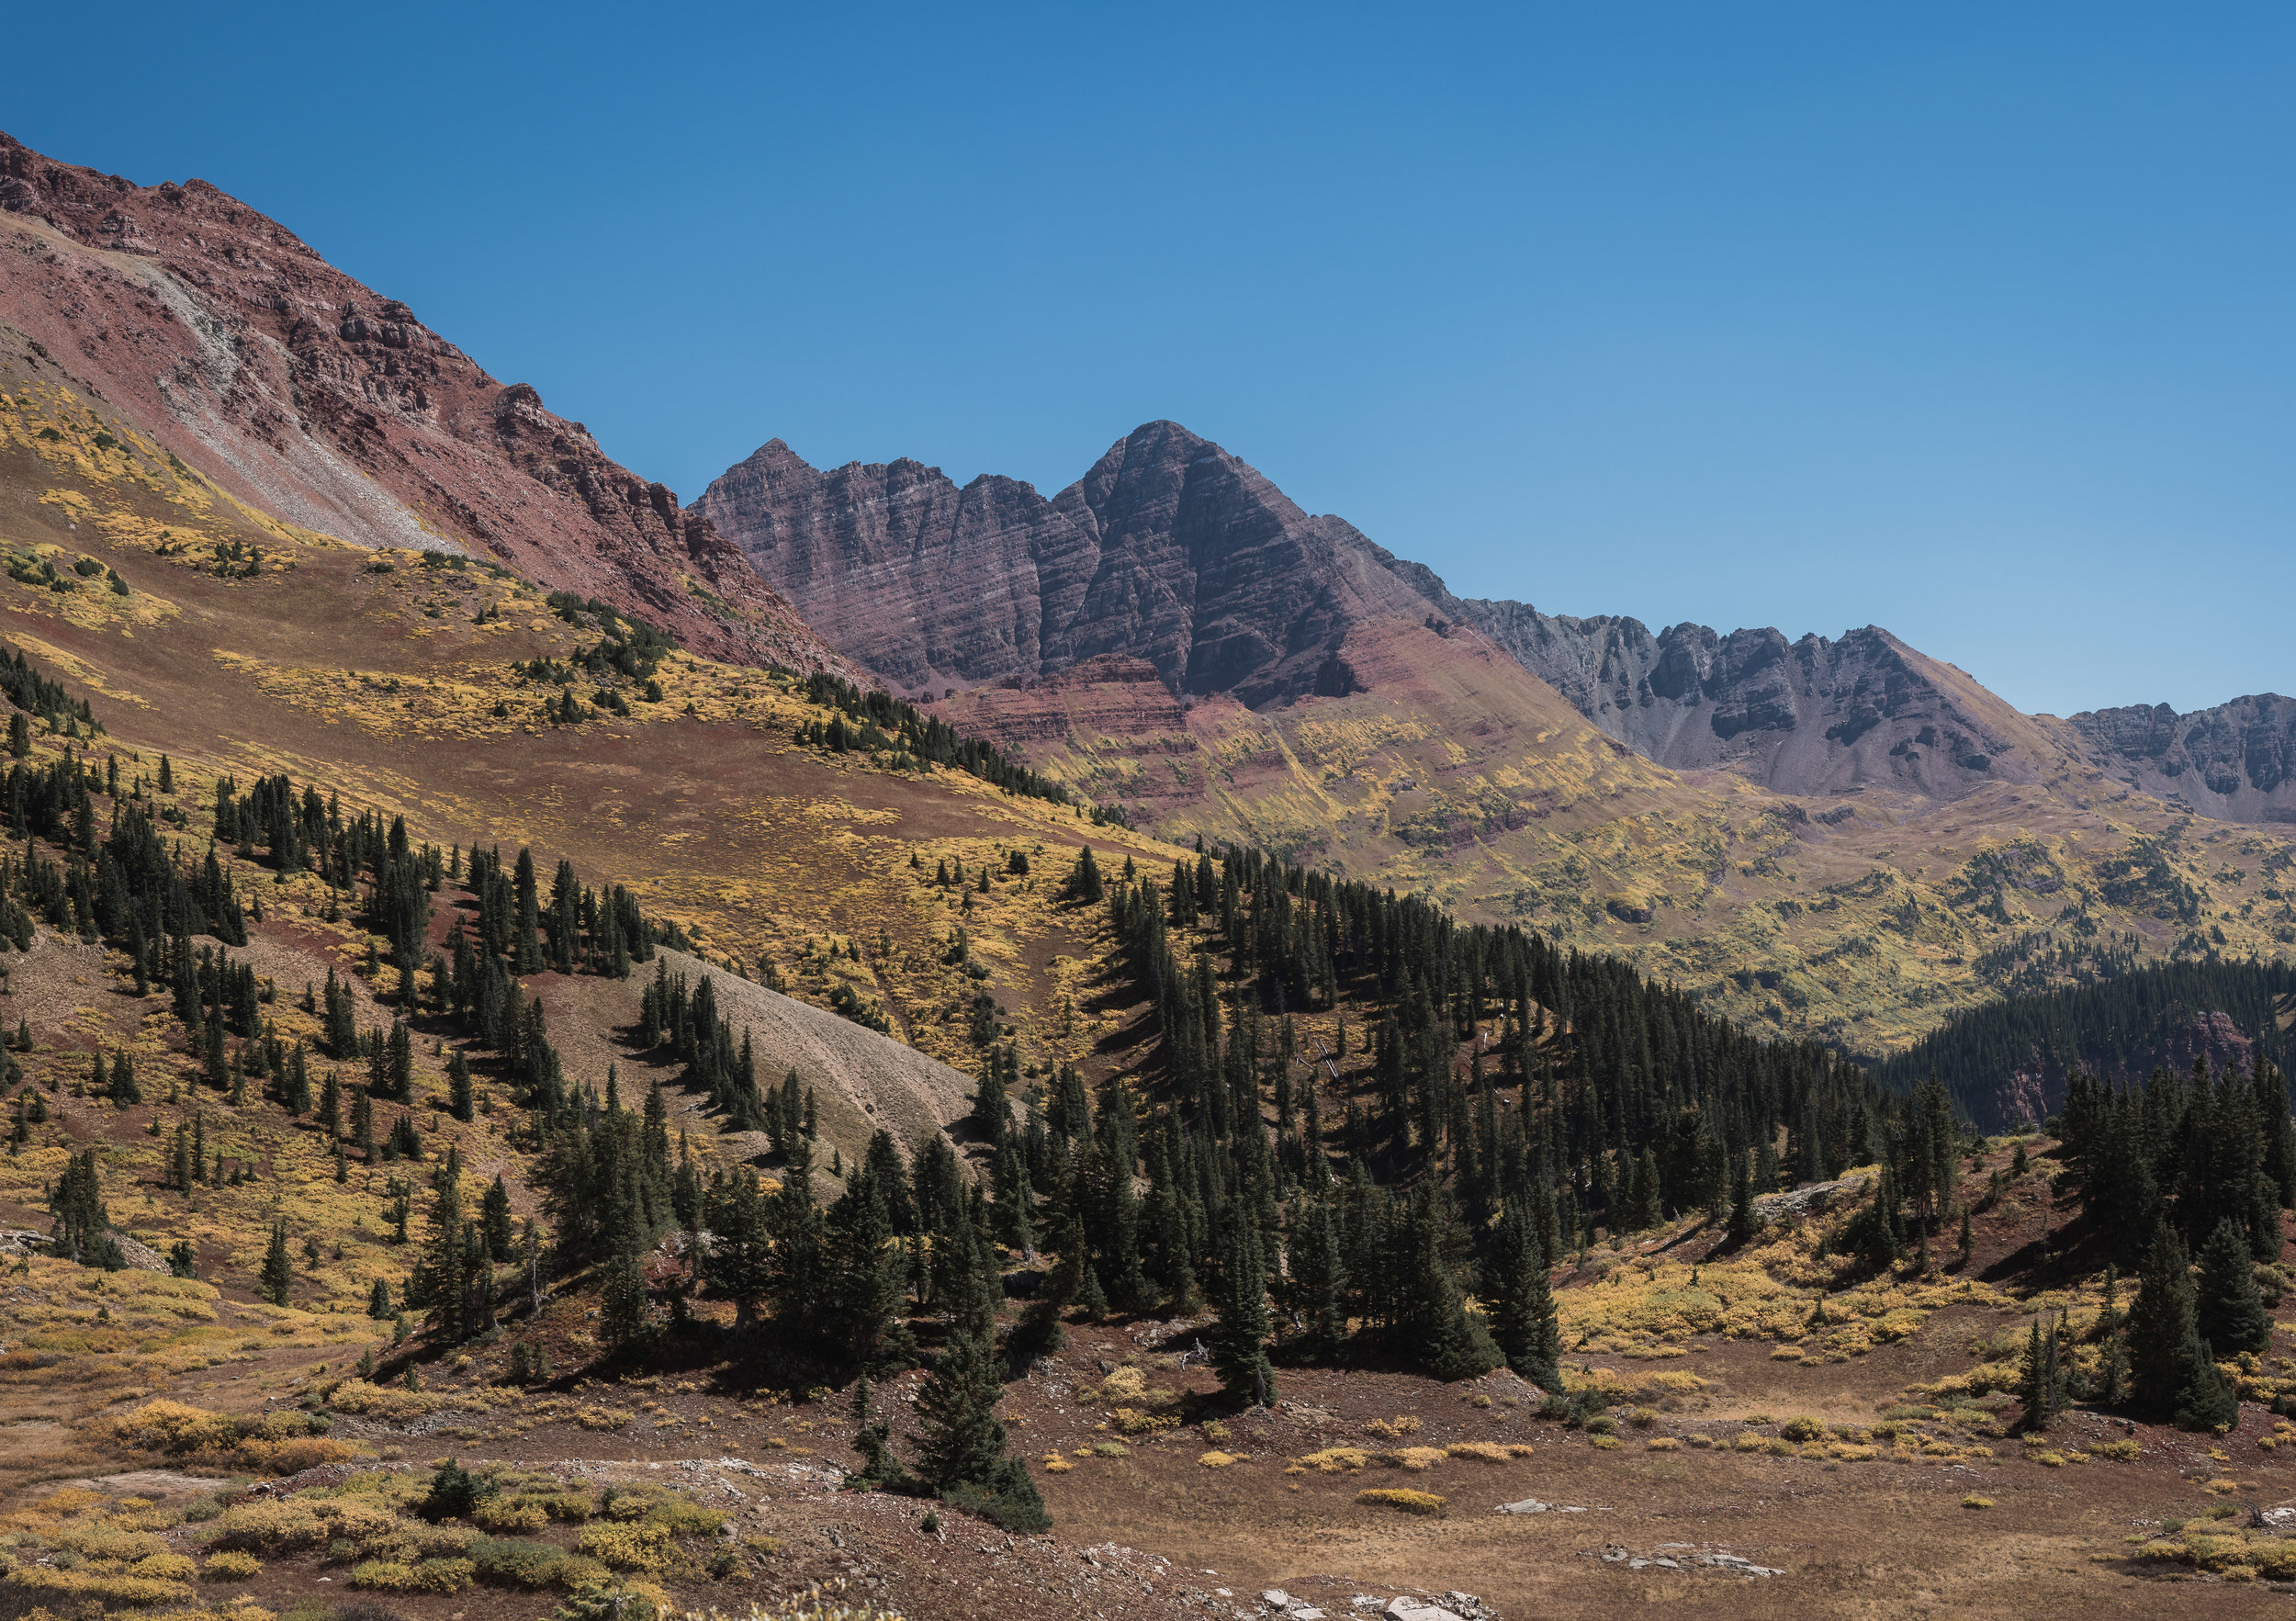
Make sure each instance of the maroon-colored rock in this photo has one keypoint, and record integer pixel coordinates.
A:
(236, 348)
(1169, 550)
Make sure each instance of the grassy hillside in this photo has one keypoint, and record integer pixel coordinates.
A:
(1782, 1370)
(1863, 919)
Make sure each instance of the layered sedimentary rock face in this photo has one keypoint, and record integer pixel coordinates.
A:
(302, 392)
(1168, 550)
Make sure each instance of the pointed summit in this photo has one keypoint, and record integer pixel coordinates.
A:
(1168, 549)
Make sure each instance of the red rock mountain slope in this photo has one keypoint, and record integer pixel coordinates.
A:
(304, 393)
(1170, 550)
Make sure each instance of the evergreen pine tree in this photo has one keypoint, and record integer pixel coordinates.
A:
(278, 1269)
(1318, 1280)
(793, 1226)
(494, 1216)
(1239, 1345)
(1039, 1333)
(1083, 879)
(965, 1453)
(2228, 1308)
(623, 1310)
(1091, 1299)
(862, 1288)
(2036, 1387)
(2170, 1369)
(82, 1222)
(1523, 1321)
(459, 1102)
(1742, 1226)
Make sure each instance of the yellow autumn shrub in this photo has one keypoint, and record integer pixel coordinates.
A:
(1410, 1502)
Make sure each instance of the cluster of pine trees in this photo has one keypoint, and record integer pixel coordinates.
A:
(878, 722)
(2103, 1028)
(2178, 1165)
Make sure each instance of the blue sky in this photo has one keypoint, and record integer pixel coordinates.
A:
(1971, 320)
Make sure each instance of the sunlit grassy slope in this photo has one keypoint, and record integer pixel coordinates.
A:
(1866, 919)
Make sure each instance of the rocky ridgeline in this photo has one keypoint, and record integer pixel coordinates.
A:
(228, 341)
(2236, 760)
(1169, 550)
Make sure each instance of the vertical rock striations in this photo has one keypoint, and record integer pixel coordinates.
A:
(1169, 550)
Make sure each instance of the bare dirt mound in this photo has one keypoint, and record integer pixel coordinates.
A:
(894, 1087)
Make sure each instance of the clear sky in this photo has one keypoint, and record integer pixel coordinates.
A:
(1974, 320)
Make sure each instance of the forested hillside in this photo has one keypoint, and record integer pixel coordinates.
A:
(2010, 1063)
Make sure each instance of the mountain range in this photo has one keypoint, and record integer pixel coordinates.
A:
(1172, 550)
(1845, 836)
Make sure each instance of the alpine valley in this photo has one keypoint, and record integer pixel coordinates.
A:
(863, 1046)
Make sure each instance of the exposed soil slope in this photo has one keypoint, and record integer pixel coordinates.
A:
(229, 343)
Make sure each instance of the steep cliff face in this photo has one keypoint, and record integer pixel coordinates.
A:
(1806, 717)
(229, 341)
(2236, 761)
(1174, 552)
(1168, 550)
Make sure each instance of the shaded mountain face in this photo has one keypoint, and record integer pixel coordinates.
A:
(1168, 550)
(1807, 717)
(308, 395)
(2236, 761)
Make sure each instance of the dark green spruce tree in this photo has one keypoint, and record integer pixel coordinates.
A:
(1523, 1320)
(2228, 1308)
(1239, 1345)
(964, 1455)
(2171, 1369)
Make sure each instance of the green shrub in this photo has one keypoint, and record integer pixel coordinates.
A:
(232, 1565)
(531, 1565)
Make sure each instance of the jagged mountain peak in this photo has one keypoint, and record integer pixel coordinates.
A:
(2235, 761)
(1169, 548)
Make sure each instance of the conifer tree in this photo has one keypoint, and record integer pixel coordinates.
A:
(623, 1310)
(1039, 1334)
(441, 1286)
(1742, 1225)
(2171, 1370)
(1083, 879)
(791, 1222)
(494, 1216)
(459, 1101)
(964, 1455)
(1239, 1347)
(1523, 1321)
(2038, 1386)
(278, 1269)
(863, 1287)
(125, 1093)
(991, 1112)
(1318, 1280)
(880, 1471)
(81, 1221)
(2228, 1308)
